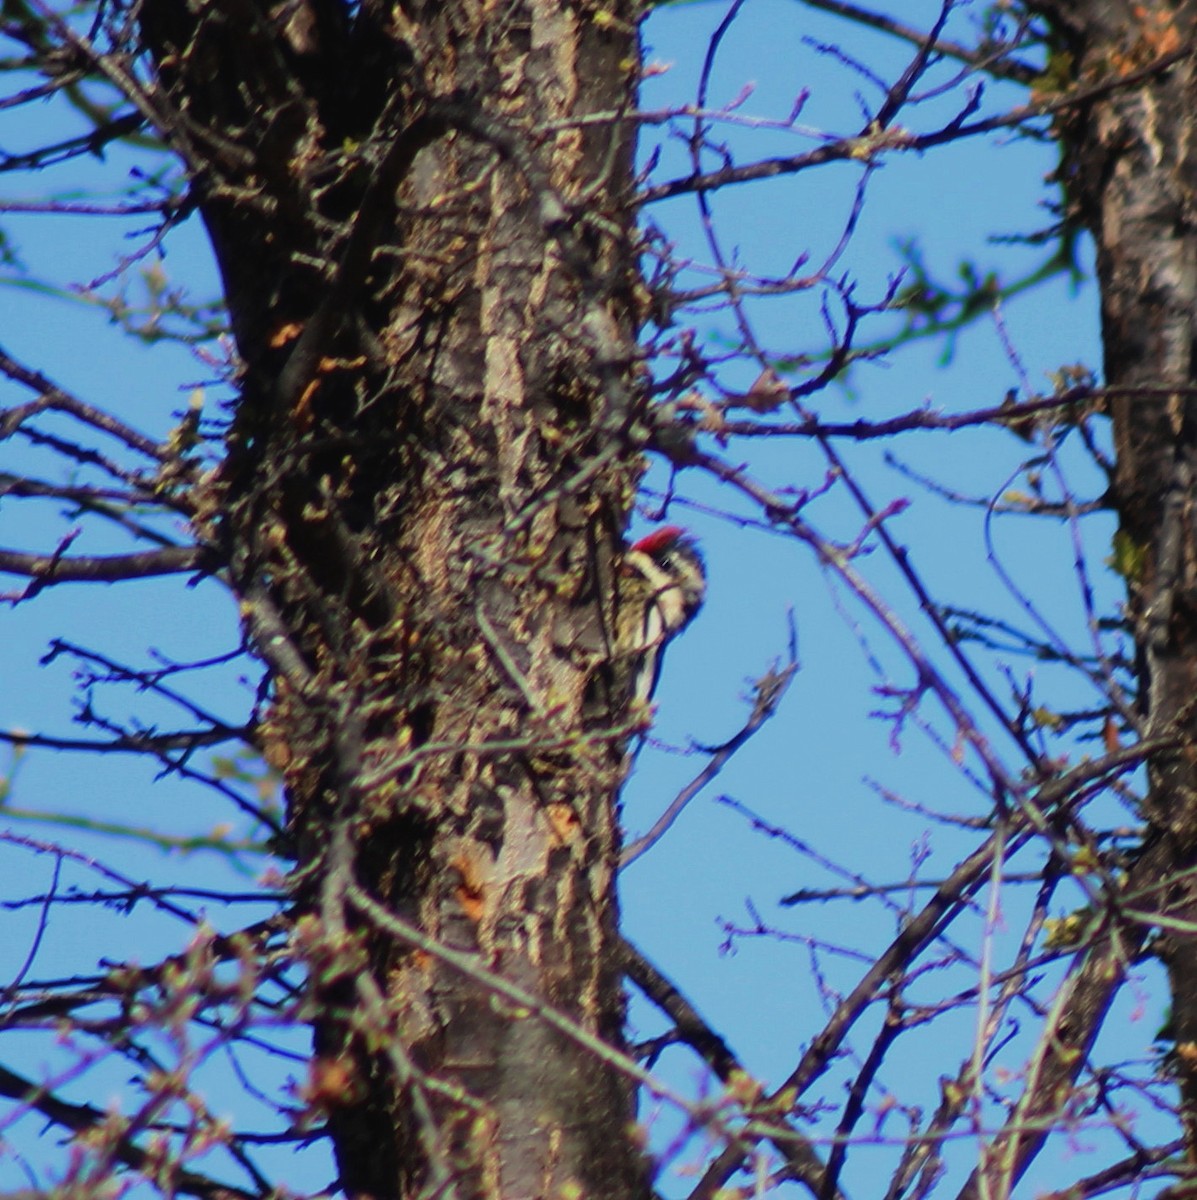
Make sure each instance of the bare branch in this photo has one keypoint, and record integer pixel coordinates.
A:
(48, 569)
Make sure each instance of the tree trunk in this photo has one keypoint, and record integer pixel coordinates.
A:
(1130, 169)
(422, 218)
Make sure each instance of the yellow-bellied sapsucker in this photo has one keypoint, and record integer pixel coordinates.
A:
(663, 586)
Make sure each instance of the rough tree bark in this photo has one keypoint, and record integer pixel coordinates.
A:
(1130, 170)
(421, 218)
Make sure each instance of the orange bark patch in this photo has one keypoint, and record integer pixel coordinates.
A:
(470, 890)
(564, 822)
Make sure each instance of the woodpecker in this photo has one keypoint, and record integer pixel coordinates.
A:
(665, 582)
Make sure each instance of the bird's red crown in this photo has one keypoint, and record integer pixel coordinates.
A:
(655, 542)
